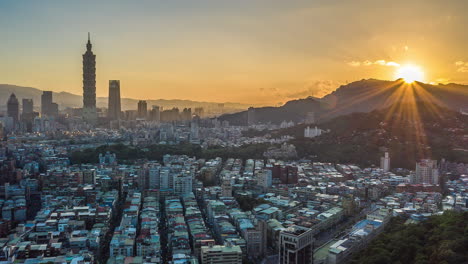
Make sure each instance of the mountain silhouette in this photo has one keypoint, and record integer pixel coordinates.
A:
(66, 100)
(360, 96)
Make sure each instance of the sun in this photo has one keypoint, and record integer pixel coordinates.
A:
(410, 73)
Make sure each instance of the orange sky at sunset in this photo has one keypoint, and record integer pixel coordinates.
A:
(255, 52)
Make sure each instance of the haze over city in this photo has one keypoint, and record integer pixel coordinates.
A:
(255, 52)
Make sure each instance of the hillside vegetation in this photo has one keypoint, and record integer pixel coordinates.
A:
(441, 239)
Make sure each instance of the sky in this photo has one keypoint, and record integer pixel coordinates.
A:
(256, 52)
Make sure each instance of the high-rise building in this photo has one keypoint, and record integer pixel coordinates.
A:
(28, 106)
(153, 177)
(89, 84)
(217, 254)
(264, 178)
(28, 114)
(155, 114)
(385, 162)
(165, 178)
(296, 245)
(194, 129)
(186, 114)
(13, 108)
(46, 103)
(142, 109)
(114, 109)
(426, 172)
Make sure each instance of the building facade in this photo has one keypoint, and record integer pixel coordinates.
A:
(296, 246)
(426, 172)
(13, 108)
(142, 109)
(89, 84)
(114, 106)
(385, 162)
(221, 254)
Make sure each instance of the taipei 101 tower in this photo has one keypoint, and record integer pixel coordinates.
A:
(89, 84)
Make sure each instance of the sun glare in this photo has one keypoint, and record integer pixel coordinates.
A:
(410, 73)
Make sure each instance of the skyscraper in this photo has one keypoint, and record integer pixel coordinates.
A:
(89, 84)
(46, 103)
(114, 108)
(13, 108)
(142, 109)
(28, 114)
(28, 106)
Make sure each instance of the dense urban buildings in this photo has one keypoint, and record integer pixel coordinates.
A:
(153, 184)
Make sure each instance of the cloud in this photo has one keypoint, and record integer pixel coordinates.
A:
(354, 63)
(462, 66)
(443, 80)
(392, 63)
(318, 88)
(377, 62)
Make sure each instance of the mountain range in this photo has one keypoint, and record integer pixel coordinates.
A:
(69, 100)
(360, 96)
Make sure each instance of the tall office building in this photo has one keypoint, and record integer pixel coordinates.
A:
(46, 103)
(48, 108)
(114, 109)
(296, 246)
(142, 109)
(13, 108)
(426, 172)
(28, 115)
(89, 84)
(28, 106)
(385, 162)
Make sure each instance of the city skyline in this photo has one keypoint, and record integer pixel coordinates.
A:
(219, 52)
